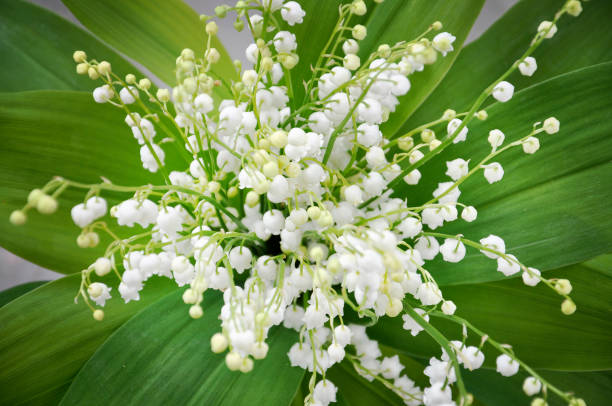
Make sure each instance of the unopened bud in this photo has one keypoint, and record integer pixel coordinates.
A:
(212, 28)
(46, 204)
(568, 307)
(104, 68)
(79, 56)
(18, 217)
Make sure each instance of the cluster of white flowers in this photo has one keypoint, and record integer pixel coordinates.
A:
(289, 212)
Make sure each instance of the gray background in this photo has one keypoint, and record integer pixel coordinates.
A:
(14, 270)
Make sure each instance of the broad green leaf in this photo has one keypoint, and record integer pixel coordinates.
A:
(492, 389)
(51, 133)
(153, 35)
(580, 42)
(602, 264)
(13, 293)
(162, 356)
(36, 49)
(399, 20)
(528, 318)
(50, 397)
(46, 337)
(552, 207)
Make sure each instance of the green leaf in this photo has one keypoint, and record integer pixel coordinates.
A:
(36, 49)
(152, 35)
(580, 42)
(13, 293)
(162, 356)
(551, 208)
(51, 133)
(394, 21)
(46, 337)
(492, 389)
(602, 264)
(528, 318)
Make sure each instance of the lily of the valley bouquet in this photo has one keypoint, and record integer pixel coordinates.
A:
(307, 224)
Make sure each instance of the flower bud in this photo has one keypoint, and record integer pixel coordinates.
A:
(188, 54)
(221, 11)
(395, 307)
(351, 62)
(34, 196)
(293, 170)
(212, 55)
(249, 77)
(270, 169)
(82, 241)
(212, 28)
(574, 8)
(449, 114)
(434, 144)
(259, 350)
(252, 199)
(448, 307)
(93, 73)
(218, 343)
(163, 95)
(568, 307)
(102, 266)
(531, 145)
(233, 360)
(267, 63)
(98, 314)
(358, 7)
(104, 68)
(547, 27)
(482, 115)
(232, 192)
(279, 139)
(196, 311)
(130, 78)
(314, 212)
(46, 204)
(551, 125)
(79, 56)
(18, 217)
(359, 32)
(428, 135)
(437, 25)
(405, 143)
(247, 365)
(238, 25)
(190, 297)
(384, 50)
(563, 287)
(82, 68)
(289, 61)
(316, 253)
(93, 239)
(214, 186)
